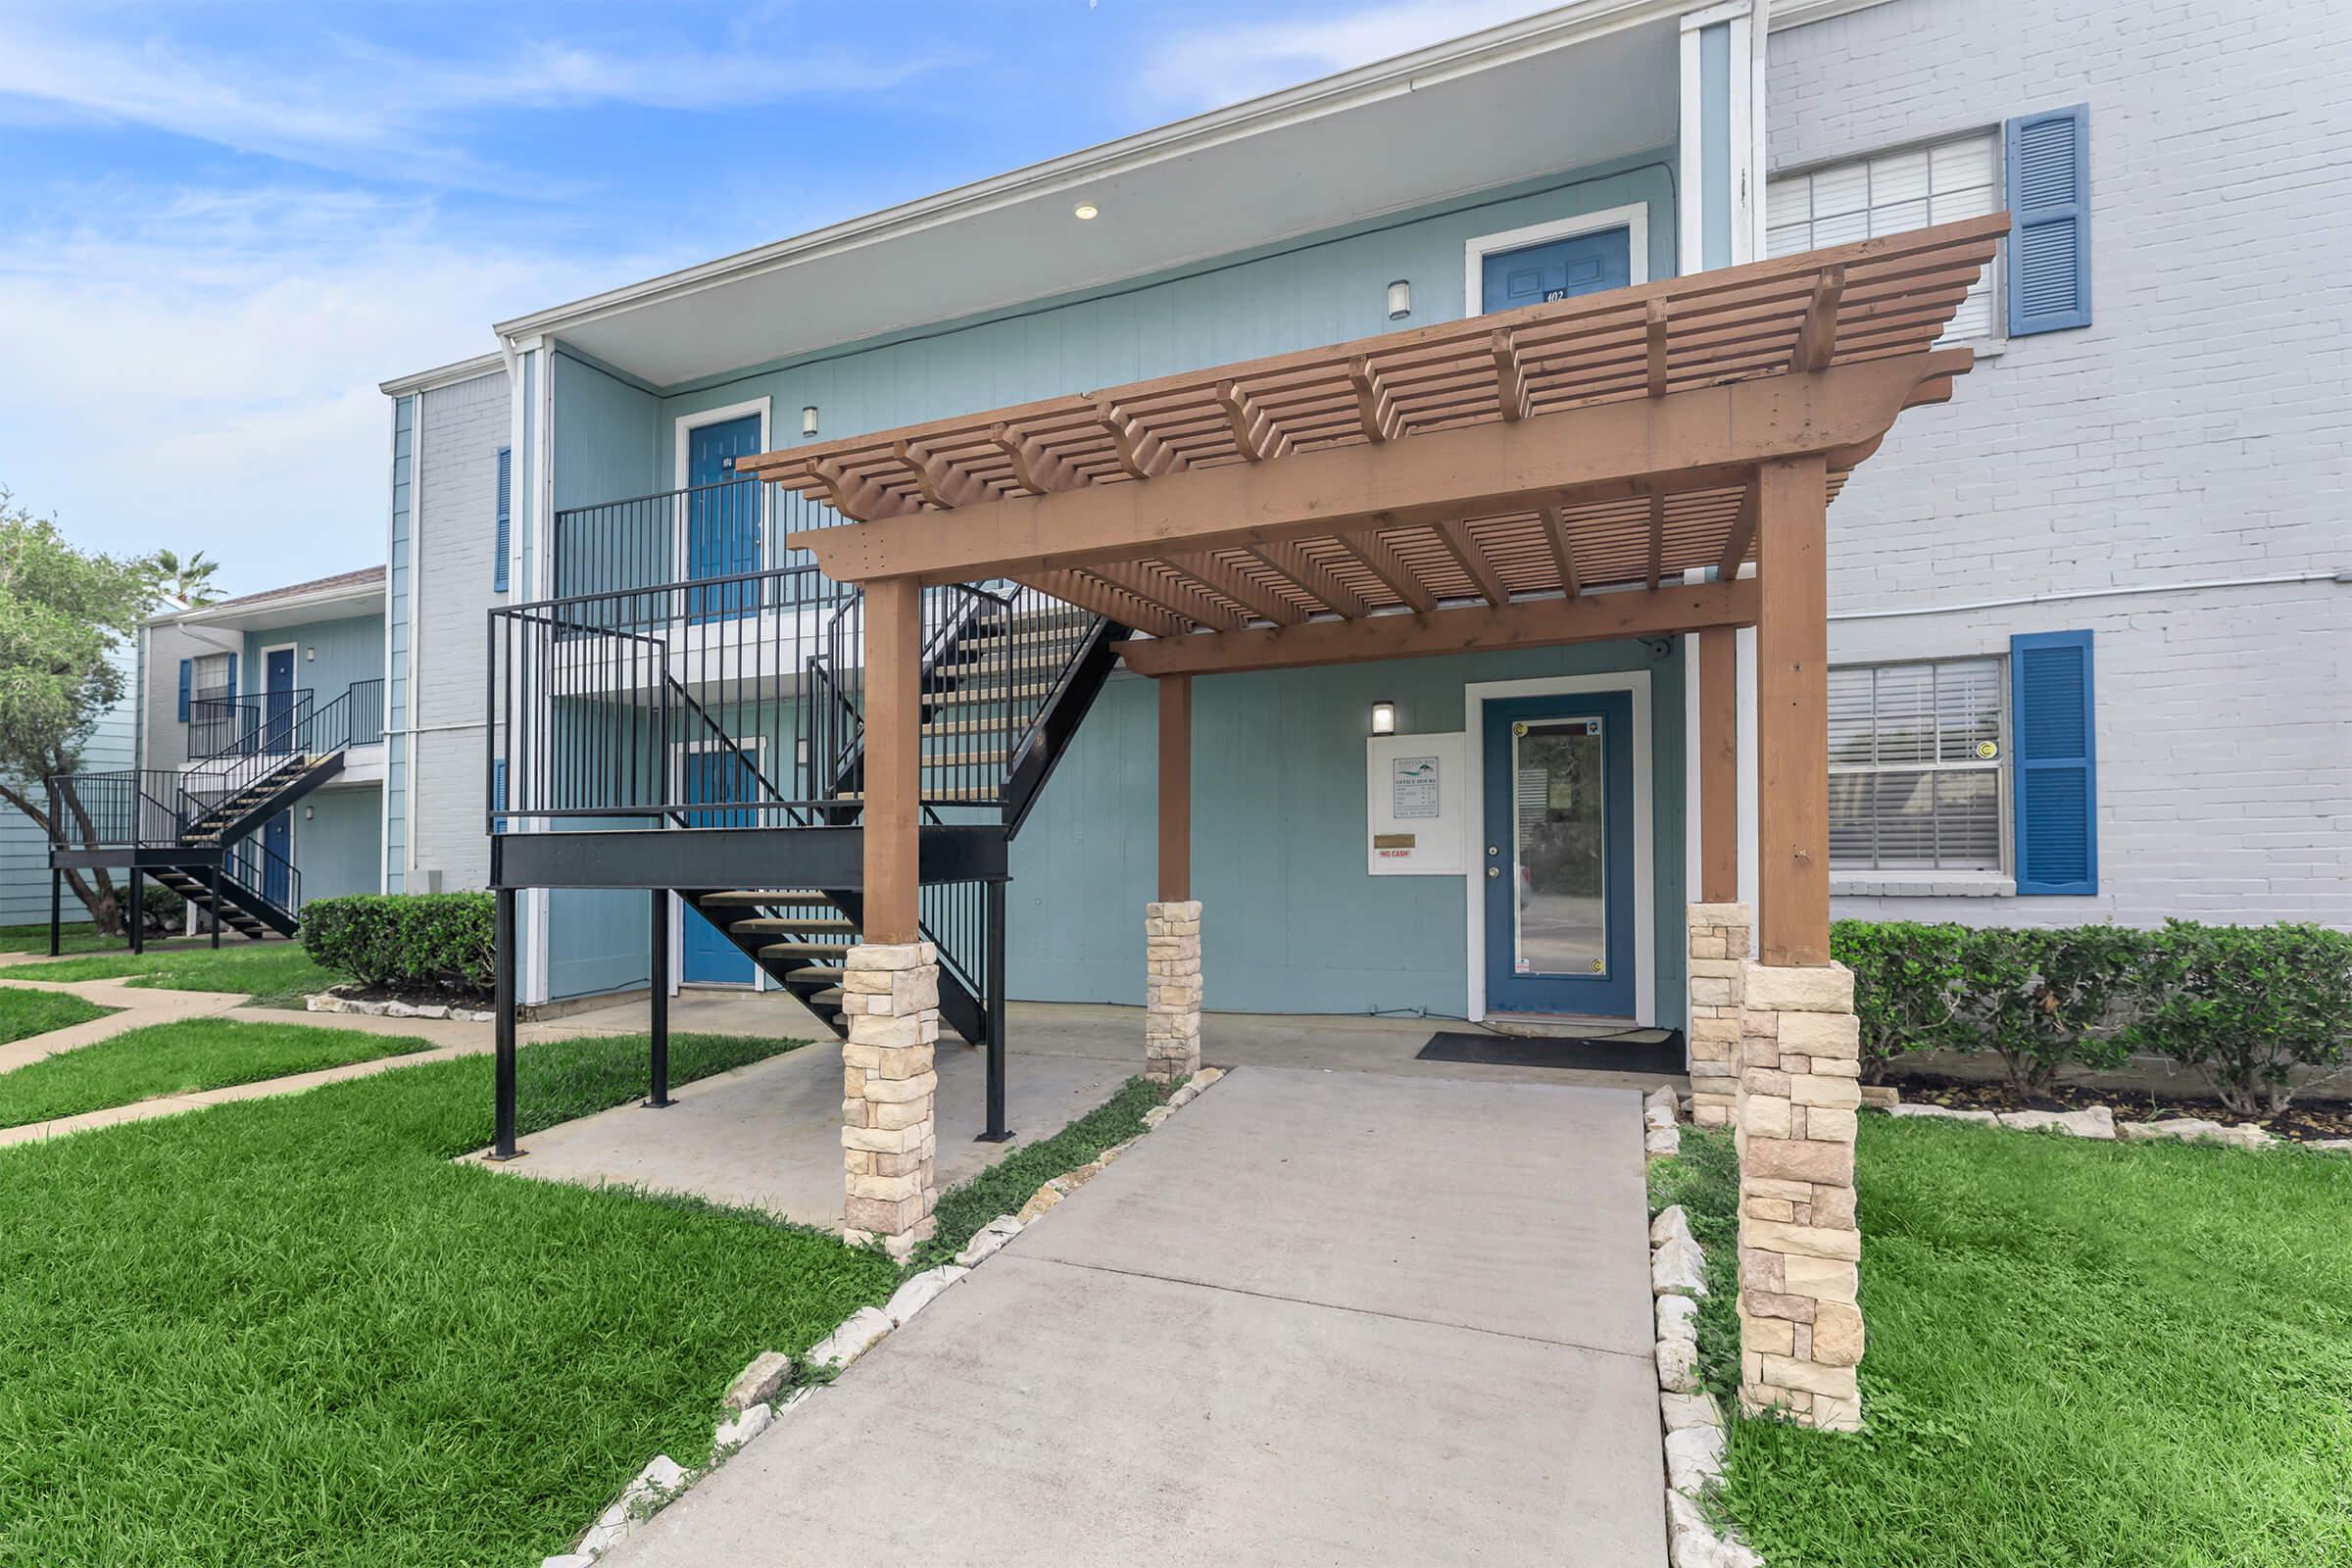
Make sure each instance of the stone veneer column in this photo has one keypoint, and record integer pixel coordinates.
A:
(1718, 948)
(1172, 991)
(890, 999)
(1801, 1251)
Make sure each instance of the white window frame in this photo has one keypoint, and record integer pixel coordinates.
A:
(1632, 218)
(1994, 338)
(1866, 880)
(686, 425)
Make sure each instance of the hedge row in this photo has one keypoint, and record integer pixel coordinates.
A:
(2245, 1006)
(427, 942)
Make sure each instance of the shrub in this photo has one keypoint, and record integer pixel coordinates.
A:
(2047, 999)
(402, 942)
(165, 911)
(2247, 1006)
(1906, 986)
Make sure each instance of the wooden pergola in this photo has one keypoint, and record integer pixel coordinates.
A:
(1543, 476)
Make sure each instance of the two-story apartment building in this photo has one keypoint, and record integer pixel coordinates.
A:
(2138, 497)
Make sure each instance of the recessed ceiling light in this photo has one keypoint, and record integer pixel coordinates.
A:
(1085, 211)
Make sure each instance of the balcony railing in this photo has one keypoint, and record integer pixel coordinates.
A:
(704, 533)
(222, 724)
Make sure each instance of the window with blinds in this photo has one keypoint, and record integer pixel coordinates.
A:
(1888, 194)
(1916, 752)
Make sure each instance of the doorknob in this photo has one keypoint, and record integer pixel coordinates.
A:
(1494, 871)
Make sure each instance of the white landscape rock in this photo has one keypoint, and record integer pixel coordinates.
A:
(1156, 1114)
(1671, 1225)
(1678, 1268)
(1943, 1113)
(661, 1478)
(1683, 1411)
(858, 1333)
(1694, 1459)
(2095, 1121)
(988, 1238)
(1662, 1142)
(1207, 1076)
(2197, 1130)
(569, 1559)
(921, 1292)
(747, 1424)
(2328, 1146)
(1183, 1097)
(1678, 1366)
(758, 1381)
(1658, 1107)
(1678, 1318)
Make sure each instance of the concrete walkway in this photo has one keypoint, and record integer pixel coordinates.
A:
(1318, 1317)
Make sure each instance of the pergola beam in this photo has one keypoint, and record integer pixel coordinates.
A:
(1485, 469)
(1529, 623)
(1385, 563)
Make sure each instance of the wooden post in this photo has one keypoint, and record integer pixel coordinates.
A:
(1792, 711)
(1175, 788)
(894, 672)
(1718, 764)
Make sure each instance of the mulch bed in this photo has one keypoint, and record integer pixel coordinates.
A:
(2298, 1123)
(453, 998)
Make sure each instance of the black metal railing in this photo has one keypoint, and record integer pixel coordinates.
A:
(714, 535)
(129, 807)
(635, 705)
(263, 872)
(295, 730)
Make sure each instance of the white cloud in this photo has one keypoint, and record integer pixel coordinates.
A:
(1211, 68)
(340, 103)
(199, 368)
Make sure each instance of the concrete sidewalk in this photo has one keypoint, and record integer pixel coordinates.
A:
(1324, 1317)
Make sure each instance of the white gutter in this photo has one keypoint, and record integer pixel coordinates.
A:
(2058, 596)
(479, 365)
(229, 612)
(1547, 31)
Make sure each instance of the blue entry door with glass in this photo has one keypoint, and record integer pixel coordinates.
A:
(1556, 269)
(277, 700)
(722, 517)
(1558, 855)
(277, 838)
(708, 955)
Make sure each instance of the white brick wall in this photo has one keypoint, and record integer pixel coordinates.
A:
(2199, 429)
(457, 525)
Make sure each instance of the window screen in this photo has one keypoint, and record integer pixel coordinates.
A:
(1915, 767)
(1888, 194)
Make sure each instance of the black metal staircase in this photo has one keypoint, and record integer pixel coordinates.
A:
(193, 831)
(706, 737)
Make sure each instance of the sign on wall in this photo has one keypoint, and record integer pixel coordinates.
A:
(1417, 806)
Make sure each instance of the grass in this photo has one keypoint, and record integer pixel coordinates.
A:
(177, 1058)
(26, 1013)
(291, 1331)
(80, 937)
(270, 971)
(1706, 1180)
(2081, 1352)
(1005, 1186)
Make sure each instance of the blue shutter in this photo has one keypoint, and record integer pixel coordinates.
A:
(506, 515)
(2049, 232)
(498, 793)
(2056, 764)
(232, 674)
(187, 676)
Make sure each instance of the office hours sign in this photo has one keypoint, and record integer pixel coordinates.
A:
(1416, 804)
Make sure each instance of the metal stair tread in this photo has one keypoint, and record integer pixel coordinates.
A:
(765, 896)
(781, 926)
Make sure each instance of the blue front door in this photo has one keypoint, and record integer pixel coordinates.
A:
(278, 839)
(277, 700)
(709, 956)
(722, 517)
(1558, 855)
(1555, 268)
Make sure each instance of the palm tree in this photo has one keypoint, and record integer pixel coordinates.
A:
(187, 583)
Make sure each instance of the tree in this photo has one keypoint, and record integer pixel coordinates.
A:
(187, 583)
(62, 612)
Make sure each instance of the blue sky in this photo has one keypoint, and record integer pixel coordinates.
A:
(221, 225)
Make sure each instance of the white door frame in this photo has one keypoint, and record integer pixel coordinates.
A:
(687, 424)
(262, 669)
(757, 748)
(1475, 697)
(1632, 218)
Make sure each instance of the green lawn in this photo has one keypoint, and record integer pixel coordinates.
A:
(77, 937)
(291, 1331)
(177, 1058)
(2081, 1352)
(24, 1013)
(270, 971)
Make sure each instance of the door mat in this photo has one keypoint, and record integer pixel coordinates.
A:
(1655, 1051)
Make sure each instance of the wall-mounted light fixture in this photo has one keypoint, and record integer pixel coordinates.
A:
(1384, 718)
(1400, 298)
(1084, 211)
(808, 420)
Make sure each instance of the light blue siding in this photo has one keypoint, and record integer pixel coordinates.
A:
(1715, 140)
(330, 657)
(1293, 922)
(607, 432)
(335, 840)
